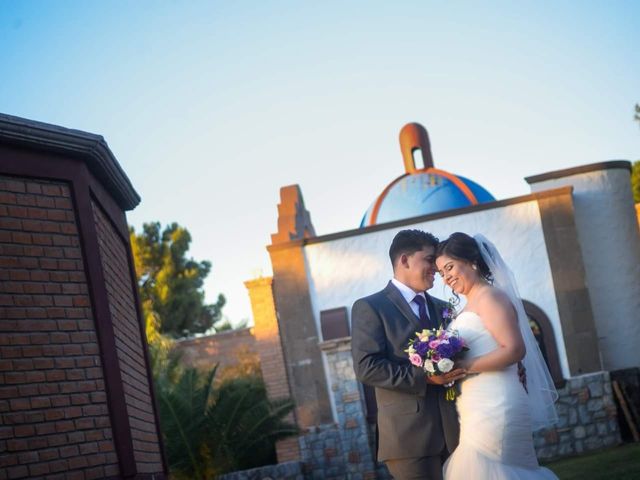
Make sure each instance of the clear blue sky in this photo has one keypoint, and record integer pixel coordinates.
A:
(211, 107)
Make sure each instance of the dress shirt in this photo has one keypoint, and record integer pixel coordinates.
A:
(409, 294)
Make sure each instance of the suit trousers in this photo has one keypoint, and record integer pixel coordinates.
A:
(422, 468)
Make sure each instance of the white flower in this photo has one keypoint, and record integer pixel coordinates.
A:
(445, 365)
(428, 367)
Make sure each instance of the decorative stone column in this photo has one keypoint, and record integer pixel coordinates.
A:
(76, 395)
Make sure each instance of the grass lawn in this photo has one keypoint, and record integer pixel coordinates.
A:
(620, 463)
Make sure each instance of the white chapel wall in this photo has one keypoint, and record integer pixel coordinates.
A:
(610, 241)
(342, 270)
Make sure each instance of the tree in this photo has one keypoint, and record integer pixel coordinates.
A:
(212, 428)
(171, 284)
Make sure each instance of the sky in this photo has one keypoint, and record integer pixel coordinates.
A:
(210, 107)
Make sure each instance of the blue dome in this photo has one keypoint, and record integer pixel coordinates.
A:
(423, 192)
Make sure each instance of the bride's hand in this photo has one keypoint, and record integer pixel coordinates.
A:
(452, 376)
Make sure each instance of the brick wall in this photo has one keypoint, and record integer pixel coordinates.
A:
(228, 349)
(52, 399)
(267, 334)
(129, 346)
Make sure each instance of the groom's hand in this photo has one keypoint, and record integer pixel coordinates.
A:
(452, 376)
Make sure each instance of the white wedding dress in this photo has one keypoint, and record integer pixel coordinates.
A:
(495, 426)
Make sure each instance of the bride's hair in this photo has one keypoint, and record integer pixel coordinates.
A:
(463, 247)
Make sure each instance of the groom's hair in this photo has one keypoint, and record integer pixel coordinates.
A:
(409, 242)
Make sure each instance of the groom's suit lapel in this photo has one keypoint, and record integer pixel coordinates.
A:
(398, 300)
(435, 311)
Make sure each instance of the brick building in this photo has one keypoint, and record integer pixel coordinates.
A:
(76, 398)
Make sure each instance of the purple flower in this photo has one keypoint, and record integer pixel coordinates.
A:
(421, 348)
(445, 350)
(455, 343)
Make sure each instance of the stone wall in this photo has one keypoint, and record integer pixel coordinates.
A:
(588, 419)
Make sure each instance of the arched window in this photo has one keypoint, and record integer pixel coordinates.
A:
(543, 332)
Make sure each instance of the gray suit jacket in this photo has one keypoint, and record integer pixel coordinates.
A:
(414, 419)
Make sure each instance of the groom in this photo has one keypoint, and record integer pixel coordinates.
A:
(417, 427)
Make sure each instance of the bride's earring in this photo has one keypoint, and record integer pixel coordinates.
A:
(474, 266)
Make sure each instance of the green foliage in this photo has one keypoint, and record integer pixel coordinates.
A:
(635, 181)
(210, 429)
(170, 283)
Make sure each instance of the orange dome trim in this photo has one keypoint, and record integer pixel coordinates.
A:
(466, 191)
(457, 182)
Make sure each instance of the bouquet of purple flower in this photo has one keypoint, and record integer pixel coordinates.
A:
(435, 352)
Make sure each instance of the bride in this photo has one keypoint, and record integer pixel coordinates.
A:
(497, 413)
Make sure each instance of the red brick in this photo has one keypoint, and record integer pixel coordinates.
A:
(79, 399)
(23, 364)
(11, 352)
(48, 263)
(28, 390)
(20, 275)
(58, 466)
(72, 412)
(56, 215)
(48, 388)
(46, 455)
(88, 448)
(43, 363)
(62, 300)
(24, 431)
(16, 445)
(55, 375)
(67, 325)
(61, 401)
(65, 426)
(61, 240)
(77, 462)
(8, 392)
(41, 402)
(39, 338)
(84, 423)
(20, 338)
(40, 325)
(15, 377)
(93, 435)
(19, 471)
(35, 377)
(45, 429)
(66, 264)
(81, 301)
(69, 451)
(35, 289)
(51, 350)
(37, 443)
(39, 276)
(76, 437)
(57, 439)
(52, 289)
(72, 349)
(52, 415)
(55, 312)
(21, 237)
(33, 351)
(38, 469)
(64, 362)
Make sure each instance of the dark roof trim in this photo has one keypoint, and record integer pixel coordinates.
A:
(91, 148)
(555, 192)
(592, 167)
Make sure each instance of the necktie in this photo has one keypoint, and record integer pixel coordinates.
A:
(422, 310)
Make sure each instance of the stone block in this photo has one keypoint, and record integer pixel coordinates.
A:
(579, 432)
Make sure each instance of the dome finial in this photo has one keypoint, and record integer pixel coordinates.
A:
(414, 136)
